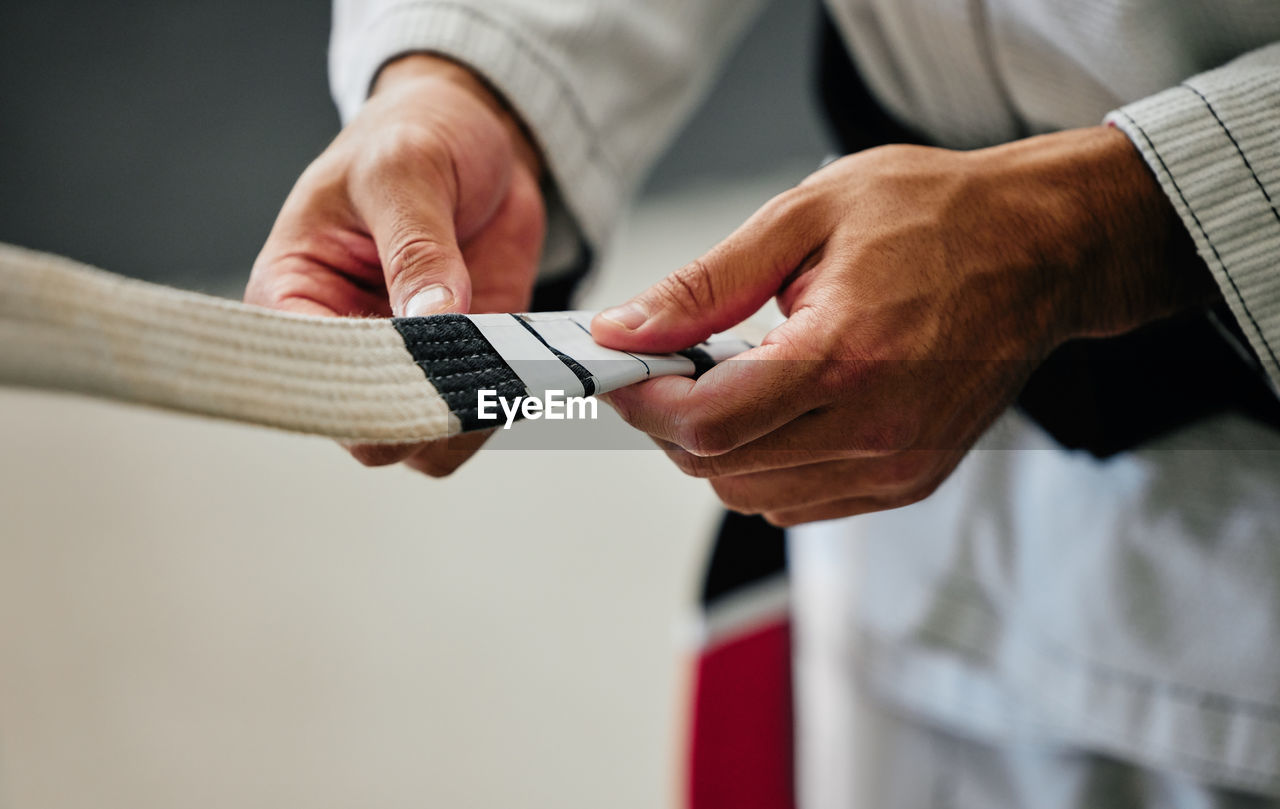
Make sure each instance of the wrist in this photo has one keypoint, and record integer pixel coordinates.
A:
(416, 67)
(1109, 251)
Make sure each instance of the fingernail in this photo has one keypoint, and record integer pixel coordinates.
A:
(630, 315)
(429, 301)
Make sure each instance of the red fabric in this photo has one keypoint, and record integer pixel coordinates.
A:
(741, 744)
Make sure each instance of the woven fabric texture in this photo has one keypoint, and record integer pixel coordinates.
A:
(358, 380)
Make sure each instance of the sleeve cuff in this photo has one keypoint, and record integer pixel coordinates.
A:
(589, 189)
(1210, 143)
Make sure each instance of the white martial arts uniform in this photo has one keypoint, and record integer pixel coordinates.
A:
(1047, 630)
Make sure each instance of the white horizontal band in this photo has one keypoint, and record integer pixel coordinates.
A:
(67, 326)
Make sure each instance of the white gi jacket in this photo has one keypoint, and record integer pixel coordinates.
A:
(1128, 606)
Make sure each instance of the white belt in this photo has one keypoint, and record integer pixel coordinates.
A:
(67, 326)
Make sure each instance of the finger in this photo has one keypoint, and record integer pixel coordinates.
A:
(317, 258)
(298, 283)
(920, 471)
(502, 257)
(441, 458)
(813, 437)
(803, 486)
(382, 454)
(305, 306)
(435, 458)
(720, 289)
(833, 510)
(743, 461)
(409, 213)
(734, 403)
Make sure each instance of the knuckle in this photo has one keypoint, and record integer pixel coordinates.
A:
(692, 465)
(442, 458)
(781, 519)
(434, 468)
(412, 254)
(894, 154)
(691, 289)
(929, 482)
(404, 145)
(257, 291)
(269, 282)
(903, 471)
(326, 175)
(925, 482)
(735, 495)
(831, 391)
(274, 287)
(377, 454)
(909, 498)
(786, 207)
(708, 466)
(803, 214)
(927, 488)
(888, 437)
(704, 435)
(889, 151)
(682, 461)
(405, 149)
(837, 374)
(820, 359)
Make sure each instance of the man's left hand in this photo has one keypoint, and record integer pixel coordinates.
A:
(921, 288)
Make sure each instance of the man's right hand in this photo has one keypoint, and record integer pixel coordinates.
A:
(427, 202)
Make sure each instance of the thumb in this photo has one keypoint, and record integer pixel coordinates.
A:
(418, 248)
(708, 295)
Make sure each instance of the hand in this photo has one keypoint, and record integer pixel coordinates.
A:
(428, 201)
(921, 288)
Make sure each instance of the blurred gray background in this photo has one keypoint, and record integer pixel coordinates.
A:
(158, 139)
